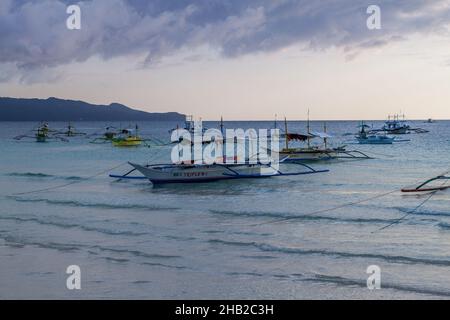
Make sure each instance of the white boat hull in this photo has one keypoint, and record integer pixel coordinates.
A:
(376, 140)
(199, 173)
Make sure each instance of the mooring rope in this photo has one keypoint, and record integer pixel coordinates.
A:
(412, 211)
(355, 203)
(380, 154)
(70, 183)
(407, 214)
(326, 210)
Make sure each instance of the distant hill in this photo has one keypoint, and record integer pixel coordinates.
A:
(54, 109)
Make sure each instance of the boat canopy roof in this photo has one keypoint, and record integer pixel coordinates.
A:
(299, 136)
(322, 135)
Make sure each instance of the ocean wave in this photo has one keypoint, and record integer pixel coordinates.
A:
(339, 254)
(42, 176)
(258, 257)
(424, 212)
(20, 242)
(73, 225)
(305, 217)
(157, 264)
(340, 281)
(91, 249)
(253, 274)
(73, 203)
(119, 260)
(444, 225)
(136, 253)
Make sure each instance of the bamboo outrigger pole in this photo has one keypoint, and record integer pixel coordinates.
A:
(286, 133)
(308, 128)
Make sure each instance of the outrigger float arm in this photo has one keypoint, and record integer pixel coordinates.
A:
(420, 188)
(279, 173)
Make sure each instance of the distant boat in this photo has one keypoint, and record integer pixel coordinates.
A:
(395, 125)
(127, 138)
(364, 138)
(375, 139)
(430, 121)
(43, 133)
(71, 131)
(189, 125)
(315, 153)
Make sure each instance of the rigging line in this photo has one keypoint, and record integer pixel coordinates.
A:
(440, 175)
(351, 204)
(70, 183)
(380, 154)
(375, 153)
(326, 210)
(407, 214)
(412, 211)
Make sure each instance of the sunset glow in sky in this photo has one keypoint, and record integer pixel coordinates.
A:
(236, 59)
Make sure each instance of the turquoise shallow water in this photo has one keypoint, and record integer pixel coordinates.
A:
(133, 240)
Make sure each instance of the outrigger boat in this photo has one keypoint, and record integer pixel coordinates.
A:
(107, 136)
(191, 173)
(127, 138)
(315, 153)
(43, 133)
(189, 125)
(71, 132)
(364, 138)
(424, 187)
(395, 125)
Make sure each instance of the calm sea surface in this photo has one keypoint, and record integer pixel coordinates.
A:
(218, 240)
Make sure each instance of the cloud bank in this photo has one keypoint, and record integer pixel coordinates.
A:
(34, 37)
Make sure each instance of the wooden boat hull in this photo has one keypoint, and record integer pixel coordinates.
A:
(192, 173)
(404, 130)
(40, 138)
(128, 142)
(375, 140)
(309, 155)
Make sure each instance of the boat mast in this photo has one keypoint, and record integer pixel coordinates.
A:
(221, 124)
(286, 133)
(308, 129)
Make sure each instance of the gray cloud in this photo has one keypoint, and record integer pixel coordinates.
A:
(33, 35)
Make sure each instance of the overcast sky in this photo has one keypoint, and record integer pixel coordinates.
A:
(233, 58)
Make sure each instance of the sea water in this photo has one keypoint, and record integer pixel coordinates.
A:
(221, 240)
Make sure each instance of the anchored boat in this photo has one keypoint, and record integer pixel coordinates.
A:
(395, 125)
(189, 125)
(127, 138)
(428, 186)
(315, 153)
(364, 138)
(43, 133)
(107, 135)
(191, 173)
(71, 132)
